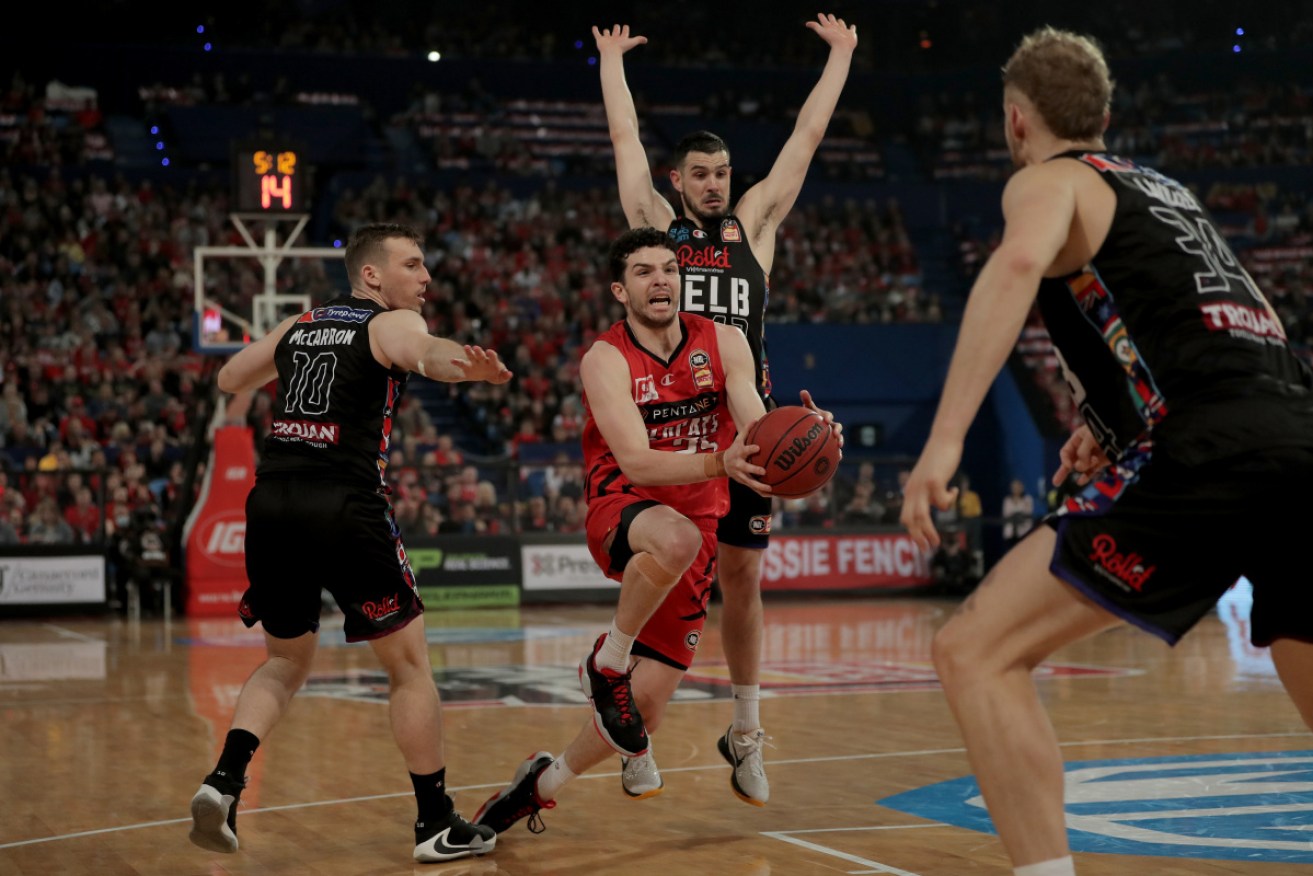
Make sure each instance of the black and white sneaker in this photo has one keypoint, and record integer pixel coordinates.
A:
(451, 838)
(214, 813)
(615, 714)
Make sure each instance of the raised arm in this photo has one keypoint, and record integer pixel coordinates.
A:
(765, 205)
(642, 203)
(400, 339)
(253, 366)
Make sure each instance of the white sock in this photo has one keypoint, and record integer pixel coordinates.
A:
(614, 653)
(551, 780)
(746, 714)
(1056, 867)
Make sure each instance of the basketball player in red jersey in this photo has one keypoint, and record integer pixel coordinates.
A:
(663, 393)
(725, 258)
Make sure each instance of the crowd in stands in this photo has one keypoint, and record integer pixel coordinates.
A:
(101, 391)
(1247, 124)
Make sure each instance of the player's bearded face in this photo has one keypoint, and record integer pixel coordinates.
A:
(704, 185)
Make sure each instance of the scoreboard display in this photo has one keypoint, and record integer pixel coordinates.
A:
(270, 177)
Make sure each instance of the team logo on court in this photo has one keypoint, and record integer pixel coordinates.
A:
(1250, 806)
(729, 231)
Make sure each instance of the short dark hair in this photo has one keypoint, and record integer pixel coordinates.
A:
(698, 141)
(366, 243)
(631, 242)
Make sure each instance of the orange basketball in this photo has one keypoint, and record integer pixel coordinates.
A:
(799, 451)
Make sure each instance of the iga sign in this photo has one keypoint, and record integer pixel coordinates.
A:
(844, 562)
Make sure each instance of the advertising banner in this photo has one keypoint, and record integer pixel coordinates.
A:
(562, 567)
(465, 571)
(855, 561)
(51, 580)
(215, 538)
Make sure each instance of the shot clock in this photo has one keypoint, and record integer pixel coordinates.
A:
(270, 177)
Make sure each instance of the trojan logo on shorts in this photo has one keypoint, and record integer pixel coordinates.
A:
(729, 231)
(760, 525)
(1252, 806)
(645, 389)
(1126, 568)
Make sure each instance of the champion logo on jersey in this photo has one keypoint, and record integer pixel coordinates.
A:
(699, 233)
(668, 380)
(729, 231)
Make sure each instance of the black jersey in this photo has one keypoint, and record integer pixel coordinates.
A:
(722, 280)
(1164, 336)
(333, 411)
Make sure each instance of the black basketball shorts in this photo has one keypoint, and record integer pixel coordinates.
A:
(1157, 542)
(303, 536)
(747, 523)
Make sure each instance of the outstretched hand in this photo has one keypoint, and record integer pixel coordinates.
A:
(616, 38)
(481, 364)
(834, 31)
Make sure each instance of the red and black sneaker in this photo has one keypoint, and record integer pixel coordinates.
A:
(615, 714)
(519, 799)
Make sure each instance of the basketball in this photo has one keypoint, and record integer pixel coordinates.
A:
(798, 450)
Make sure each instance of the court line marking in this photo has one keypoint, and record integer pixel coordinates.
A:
(719, 766)
(876, 866)
(65, 633)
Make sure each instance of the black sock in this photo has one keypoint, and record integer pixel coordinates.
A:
(431, 797)
(238, 749)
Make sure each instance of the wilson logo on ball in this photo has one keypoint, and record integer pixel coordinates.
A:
(795, 451)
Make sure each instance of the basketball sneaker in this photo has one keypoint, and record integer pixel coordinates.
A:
(450, 838)
(640, 777)
(615, 714)
(214, 813)
(748, 776)
(519, 799)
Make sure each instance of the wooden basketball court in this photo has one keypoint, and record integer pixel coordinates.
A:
(109, 725)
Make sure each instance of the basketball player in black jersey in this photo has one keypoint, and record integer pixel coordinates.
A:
(319, 517)
(725, 258)
(1198, 429)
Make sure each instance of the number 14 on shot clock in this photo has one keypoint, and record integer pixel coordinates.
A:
(270, 178)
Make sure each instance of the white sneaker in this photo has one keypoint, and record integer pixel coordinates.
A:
(748, 776)
(639, 776)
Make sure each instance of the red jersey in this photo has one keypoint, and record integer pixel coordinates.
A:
(685, 409)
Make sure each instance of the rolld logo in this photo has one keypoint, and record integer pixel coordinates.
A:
(1128, 568)
(794, 451)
